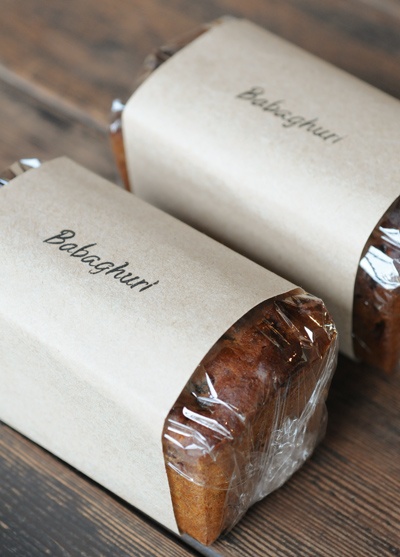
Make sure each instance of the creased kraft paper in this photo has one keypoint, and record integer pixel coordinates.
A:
(90, 367)
(298, 186)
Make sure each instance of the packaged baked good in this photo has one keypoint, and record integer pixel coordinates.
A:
(244, 422)
(283, 157)
(181, 376)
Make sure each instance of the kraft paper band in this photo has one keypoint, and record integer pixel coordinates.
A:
(270, 150)
(107, 305)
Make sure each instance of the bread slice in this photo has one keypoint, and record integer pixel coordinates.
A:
(250, 414)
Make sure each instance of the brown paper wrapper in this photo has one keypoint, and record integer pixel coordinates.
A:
(119, 354)
(273, 152)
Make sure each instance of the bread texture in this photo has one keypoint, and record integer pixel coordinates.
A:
(251, 413)
(376, 311)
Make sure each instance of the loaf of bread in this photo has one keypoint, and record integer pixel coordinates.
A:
(376, 315)
(249, 416)
(251, 413)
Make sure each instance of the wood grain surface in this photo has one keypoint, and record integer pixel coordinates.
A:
(49, 509)
(89, 52)
(61, 65)
(34, 127)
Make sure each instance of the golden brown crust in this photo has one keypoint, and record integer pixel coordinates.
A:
(222, 435)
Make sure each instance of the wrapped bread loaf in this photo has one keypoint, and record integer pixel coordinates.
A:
(144, 384)
(315, 130)
(244, 421)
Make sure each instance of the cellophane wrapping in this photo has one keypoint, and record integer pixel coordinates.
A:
(251, 414)
(376, 315)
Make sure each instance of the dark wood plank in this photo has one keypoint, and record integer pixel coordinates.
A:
(32, 127)
(89, 52)
(47, 508)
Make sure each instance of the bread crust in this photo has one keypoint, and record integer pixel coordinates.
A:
(250, 414)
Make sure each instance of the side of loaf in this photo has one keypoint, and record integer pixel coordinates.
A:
(251, 413)
(376, 314)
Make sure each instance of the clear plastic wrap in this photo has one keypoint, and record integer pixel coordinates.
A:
(251, 413)
(376, 304)
(16, 169)
(376, 312)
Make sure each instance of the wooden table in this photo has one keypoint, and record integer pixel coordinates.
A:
(62, 64)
